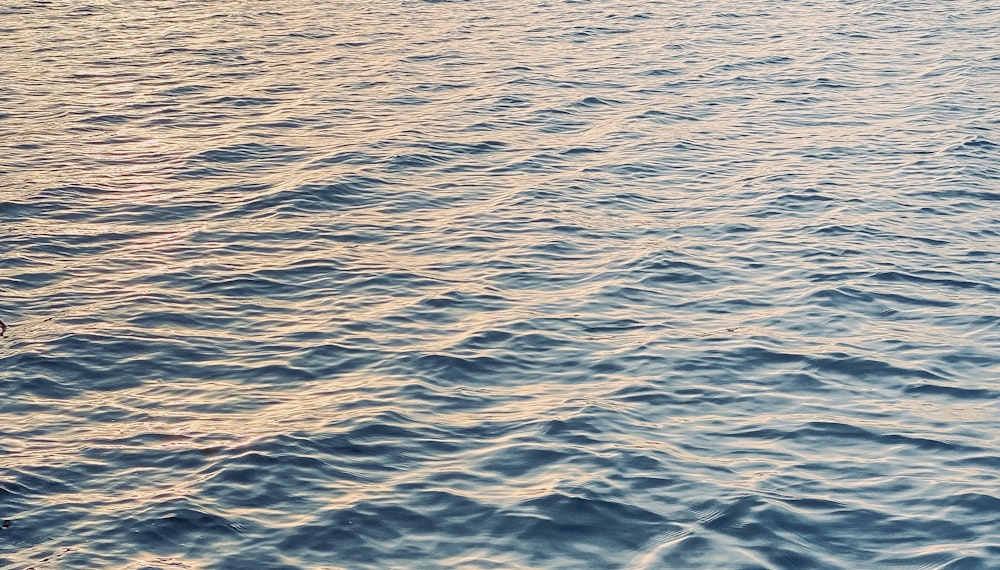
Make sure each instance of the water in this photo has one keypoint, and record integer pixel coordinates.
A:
(406, 284)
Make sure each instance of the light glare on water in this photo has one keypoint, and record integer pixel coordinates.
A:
(574, 284)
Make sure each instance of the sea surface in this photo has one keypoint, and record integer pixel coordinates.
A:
(500, 284)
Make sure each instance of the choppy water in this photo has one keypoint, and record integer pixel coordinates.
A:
(520, 284)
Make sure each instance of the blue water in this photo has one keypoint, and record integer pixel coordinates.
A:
(519, 284)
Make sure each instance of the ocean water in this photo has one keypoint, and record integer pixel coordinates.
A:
(520, 284)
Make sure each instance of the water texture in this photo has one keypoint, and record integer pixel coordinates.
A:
(519, 284)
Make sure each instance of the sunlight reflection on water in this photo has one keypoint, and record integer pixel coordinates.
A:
(451, 284)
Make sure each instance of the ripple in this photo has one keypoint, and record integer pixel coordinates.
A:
(453, 284)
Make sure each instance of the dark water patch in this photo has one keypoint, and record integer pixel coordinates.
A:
(562, 525)
(346, 158)
(405, 162)
(170, 524)
(935, 279)
(184, 90)
(952, 392)
(249, 152)
(109, 119)
(406, 101)
(595, 102)
(349, 193)
(455, 370)
(465, 148)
